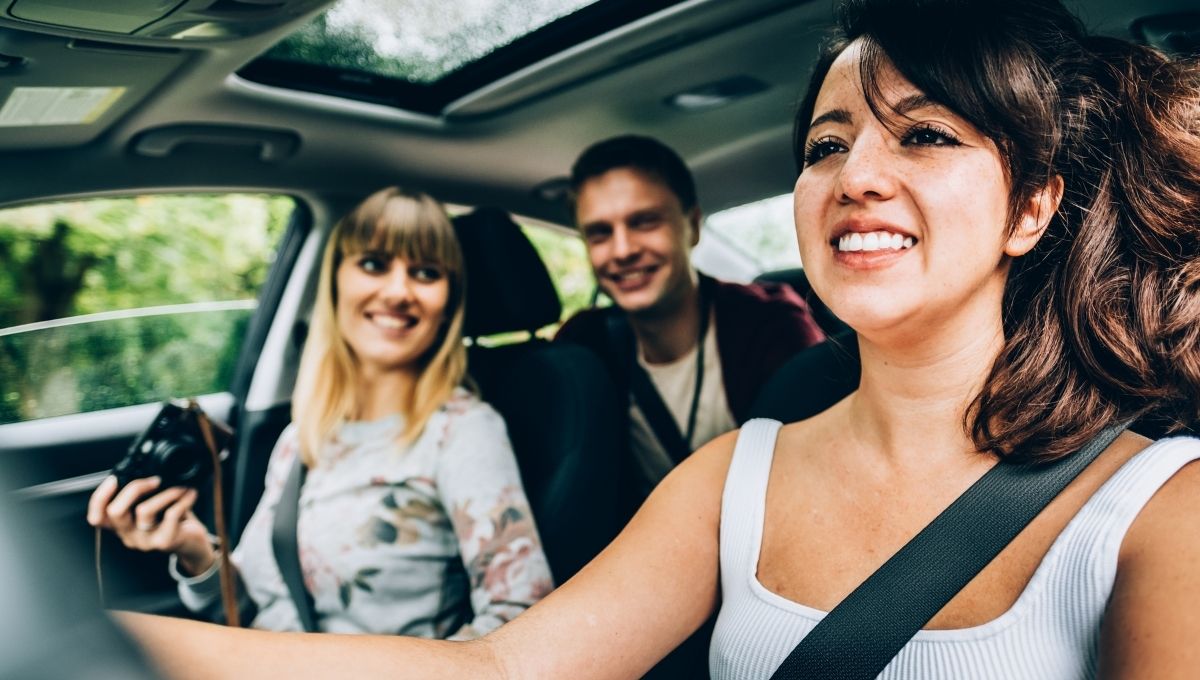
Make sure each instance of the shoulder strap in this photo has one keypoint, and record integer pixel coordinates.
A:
(866, 630)
(742, 499)
(287, 551)
(623, 348)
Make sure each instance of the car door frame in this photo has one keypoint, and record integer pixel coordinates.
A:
(50, 466)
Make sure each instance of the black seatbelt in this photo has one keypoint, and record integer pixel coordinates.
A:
(645, 395)
(866, 630)
(623, 347)
(287, 551)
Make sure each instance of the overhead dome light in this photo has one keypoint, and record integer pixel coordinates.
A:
(715, 94)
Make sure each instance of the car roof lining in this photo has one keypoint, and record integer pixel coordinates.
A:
(589, 21)
(495, 146)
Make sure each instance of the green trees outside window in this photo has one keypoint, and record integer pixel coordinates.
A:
(114, 302)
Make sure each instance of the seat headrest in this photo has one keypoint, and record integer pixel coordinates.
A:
(798, 280)
(794, 277)
(508, 287)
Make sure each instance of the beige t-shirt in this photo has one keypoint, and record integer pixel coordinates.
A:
(675, 383)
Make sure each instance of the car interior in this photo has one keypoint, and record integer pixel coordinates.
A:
(132, 99)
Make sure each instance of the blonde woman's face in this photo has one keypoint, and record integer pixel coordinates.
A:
(389, 309)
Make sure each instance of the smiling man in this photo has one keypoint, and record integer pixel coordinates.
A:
(691, 351)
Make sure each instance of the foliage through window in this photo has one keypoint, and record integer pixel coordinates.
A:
(114, 302)
(566, 259)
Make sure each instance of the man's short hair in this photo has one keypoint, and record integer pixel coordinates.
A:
(644, 154)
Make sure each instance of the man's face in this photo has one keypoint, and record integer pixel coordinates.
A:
(639, 240)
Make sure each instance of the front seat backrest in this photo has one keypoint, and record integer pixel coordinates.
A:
(814, 379)
(557, 400)
(798, 280)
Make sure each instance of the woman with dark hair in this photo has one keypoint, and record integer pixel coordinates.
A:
(1008, 212)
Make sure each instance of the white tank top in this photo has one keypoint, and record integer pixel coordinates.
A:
(1051, 632)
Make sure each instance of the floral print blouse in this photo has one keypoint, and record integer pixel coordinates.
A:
(434, 539)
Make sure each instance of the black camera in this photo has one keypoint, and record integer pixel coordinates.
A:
(173, 448)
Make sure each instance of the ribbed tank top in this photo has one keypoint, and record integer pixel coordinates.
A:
(1052, 631)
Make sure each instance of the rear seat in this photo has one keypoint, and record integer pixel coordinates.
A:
(557, 400)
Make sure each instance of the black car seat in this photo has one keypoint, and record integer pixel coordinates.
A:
(557, 400)
(798, 280)
(814, 379)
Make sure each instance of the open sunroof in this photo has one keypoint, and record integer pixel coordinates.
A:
(421, 55)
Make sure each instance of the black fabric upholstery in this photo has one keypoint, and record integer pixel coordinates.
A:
(508, 287)
(798, 280)
(818, 377)
(810, 382)
(557, 400)
(560, 409)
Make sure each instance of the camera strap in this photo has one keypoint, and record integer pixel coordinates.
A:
(228, 583)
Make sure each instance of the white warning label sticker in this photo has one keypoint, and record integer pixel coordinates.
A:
(57, 105)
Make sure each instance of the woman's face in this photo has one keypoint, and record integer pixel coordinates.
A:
(901, 224)
(389, 310)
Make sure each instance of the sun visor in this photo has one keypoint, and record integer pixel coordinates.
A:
(57, 92)
(157, 21)
(111, 16)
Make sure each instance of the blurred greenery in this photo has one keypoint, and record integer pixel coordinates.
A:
(118, 362)
(60, 261)
(68, 259)
(566, 259)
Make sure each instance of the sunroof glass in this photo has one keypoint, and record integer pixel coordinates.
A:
(420, 41)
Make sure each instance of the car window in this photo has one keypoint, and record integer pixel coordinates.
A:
(742, 242)
(415, 41)
(566, 259)
(422, 55)
(121, 301)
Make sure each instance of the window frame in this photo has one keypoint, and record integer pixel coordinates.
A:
(230, 398)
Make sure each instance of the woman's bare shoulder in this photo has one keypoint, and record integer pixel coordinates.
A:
(1150, 626)
(813, 434)
(704, 471)
(1171, 517)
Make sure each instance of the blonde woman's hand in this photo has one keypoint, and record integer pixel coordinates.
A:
(150, 520)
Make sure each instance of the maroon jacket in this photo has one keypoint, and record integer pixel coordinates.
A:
(759, 327)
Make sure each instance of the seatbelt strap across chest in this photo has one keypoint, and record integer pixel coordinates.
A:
(624, 349)
(862, 634)
(286, 548)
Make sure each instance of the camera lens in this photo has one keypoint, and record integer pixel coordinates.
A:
(179, 460)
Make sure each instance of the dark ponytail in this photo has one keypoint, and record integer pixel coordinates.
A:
(1102, 318)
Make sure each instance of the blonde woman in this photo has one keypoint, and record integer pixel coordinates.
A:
(412, 519)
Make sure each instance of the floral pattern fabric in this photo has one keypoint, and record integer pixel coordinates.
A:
(434, 539)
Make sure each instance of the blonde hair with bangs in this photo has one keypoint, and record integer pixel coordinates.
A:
(400, 223)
